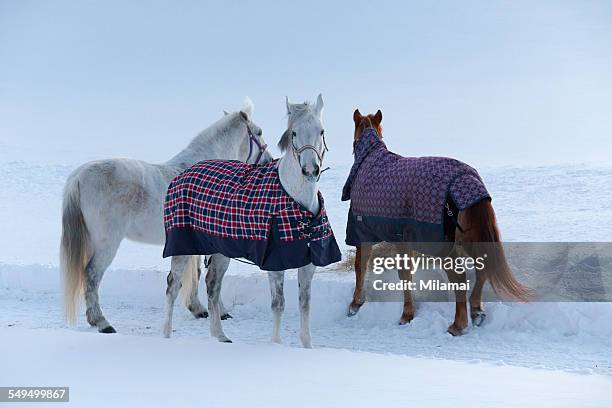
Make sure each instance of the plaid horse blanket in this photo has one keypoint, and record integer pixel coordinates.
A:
(406, 199)
(242, 211)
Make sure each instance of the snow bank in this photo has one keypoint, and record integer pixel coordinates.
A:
(566, 336)
(120, 370)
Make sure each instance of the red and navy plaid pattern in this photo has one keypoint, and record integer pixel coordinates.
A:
(233, 199)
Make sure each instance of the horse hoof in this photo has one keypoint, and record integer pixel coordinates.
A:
(226, 316)
(108, 329)
(403, 322)
(353, 309)
(201, 315)
(478, 318)
(455, 331)
(405, 319)
(224, 340)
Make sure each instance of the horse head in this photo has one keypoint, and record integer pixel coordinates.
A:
(305, 137)
(253, 140)
(368, 121)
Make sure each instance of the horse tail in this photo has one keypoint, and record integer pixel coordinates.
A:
(190, 278)
(482, 228)
(74, 249)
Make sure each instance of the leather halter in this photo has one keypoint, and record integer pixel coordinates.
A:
(262, 147)
(297, 152)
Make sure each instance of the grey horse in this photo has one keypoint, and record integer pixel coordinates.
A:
(106, 201)
(299, 169)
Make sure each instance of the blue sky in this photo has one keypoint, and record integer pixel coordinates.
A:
(491, 83)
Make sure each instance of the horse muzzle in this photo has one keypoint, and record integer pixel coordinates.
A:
(311, 172)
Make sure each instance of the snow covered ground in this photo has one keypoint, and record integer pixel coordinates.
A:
(546, 354)
(127, 370)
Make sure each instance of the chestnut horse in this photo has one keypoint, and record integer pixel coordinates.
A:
(475, 224)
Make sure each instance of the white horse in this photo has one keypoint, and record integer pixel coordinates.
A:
(299, 170)
(108, 200)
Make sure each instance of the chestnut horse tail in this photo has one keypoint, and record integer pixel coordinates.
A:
(482, 228)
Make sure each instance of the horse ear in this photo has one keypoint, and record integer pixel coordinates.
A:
(288, 105)
(225, 113)
(319, 105)
(248, 107)
(357, 117)
(378, 117)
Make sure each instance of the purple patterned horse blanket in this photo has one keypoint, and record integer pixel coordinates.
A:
(242, 211)
(409, 199)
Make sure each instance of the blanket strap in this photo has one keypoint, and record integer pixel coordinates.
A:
(449, 212)
(207, 261)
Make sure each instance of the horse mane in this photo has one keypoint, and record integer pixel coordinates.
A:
(226, 121)
(285, 140)
(194, 151)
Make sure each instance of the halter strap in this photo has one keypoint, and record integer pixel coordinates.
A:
(297, 152)
(262, 147)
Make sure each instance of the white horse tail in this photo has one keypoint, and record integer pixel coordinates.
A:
(73, 249)
(190, 279)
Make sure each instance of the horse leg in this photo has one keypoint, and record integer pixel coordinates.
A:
(362, 257)
(224, 313)
(196, 307)
(193, 304)
(469, 234)
(408, 309)
(214, 277)
(94, 271)
(276, 279)
(178, 266)
(482, 239)
(461, 317)
(477, 312)
(406, 275)
(305, 275)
